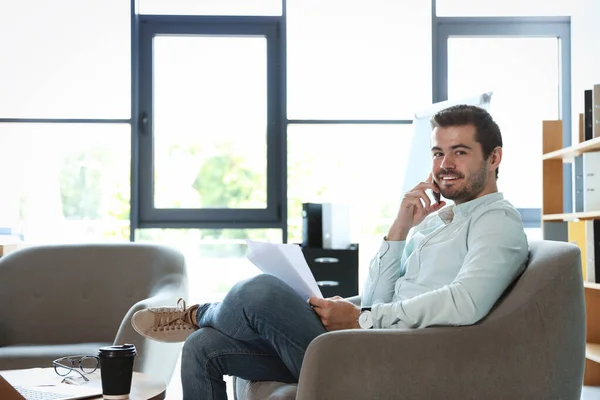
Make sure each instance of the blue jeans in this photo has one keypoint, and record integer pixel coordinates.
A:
(260, 331)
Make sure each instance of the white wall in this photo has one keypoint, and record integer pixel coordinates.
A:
(585, 54)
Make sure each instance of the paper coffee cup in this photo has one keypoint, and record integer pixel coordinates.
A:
(116, 370)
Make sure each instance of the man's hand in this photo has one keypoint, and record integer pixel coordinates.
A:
(336, 313)
(415, 206)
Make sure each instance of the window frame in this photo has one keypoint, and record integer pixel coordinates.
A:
(556, 27)
(148, 216)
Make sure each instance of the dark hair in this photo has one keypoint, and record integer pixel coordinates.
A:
(487, 132)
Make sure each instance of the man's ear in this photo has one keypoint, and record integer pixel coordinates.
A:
(496, 157)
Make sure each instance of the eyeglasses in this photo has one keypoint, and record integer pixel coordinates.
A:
(83, 365)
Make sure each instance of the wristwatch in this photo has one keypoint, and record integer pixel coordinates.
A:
(365, 319)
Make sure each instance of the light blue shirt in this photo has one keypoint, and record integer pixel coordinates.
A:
(452, 267)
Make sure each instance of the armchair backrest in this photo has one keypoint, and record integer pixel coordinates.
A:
(553, 277)
(544, 312)
(64, 294)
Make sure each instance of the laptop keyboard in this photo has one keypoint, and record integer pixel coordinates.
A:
(31, 394)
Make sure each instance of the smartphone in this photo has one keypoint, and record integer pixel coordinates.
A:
(436, 195)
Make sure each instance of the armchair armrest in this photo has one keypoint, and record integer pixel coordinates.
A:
(432, 363)
(154, 358)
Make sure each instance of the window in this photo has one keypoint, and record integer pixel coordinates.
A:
(65, 182)
(210, 92)
(210, 150)
(65, 59)
(357, 60)
(526, 91)
(526, 63)
(203, 158)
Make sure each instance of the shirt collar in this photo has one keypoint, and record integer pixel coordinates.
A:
(460, 211)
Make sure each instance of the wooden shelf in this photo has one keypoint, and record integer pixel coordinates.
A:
(592, 352)
(591, 285)
(571, 216)
(568, 153)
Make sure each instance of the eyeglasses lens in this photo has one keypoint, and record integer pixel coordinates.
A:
(63, 367)
(89, 364)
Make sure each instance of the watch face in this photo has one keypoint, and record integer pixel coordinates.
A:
(364, 320)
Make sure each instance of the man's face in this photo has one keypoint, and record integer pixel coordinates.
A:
(458, 165)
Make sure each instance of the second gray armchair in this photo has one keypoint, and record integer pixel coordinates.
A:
(72, 299)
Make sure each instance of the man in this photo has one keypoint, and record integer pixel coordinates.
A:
(436, 266)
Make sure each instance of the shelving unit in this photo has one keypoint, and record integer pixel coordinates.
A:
(592, 348)
(554, 155)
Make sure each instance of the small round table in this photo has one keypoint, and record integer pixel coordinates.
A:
(143, 387)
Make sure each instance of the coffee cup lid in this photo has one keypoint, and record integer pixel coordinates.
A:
(123, 350)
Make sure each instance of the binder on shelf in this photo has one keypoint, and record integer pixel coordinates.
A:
(576, 232)
(592, 246)
(581, 134)
(588, 103)
(596, 113)
(578, 184)
(591, 181)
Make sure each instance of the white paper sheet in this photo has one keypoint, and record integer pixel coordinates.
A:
(286, 262)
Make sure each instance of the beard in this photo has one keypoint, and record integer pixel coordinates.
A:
(470, 187)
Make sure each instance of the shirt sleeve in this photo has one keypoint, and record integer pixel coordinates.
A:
(496, 255)
(384, 271)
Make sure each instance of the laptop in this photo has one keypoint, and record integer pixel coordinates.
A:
(61, 391)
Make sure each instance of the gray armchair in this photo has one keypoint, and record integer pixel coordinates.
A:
(530, 346)
(72, 299)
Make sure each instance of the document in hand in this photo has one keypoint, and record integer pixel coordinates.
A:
(286, 262)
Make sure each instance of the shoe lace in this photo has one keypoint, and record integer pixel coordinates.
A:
(173, 318)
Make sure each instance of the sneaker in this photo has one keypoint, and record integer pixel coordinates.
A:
(165, 324)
